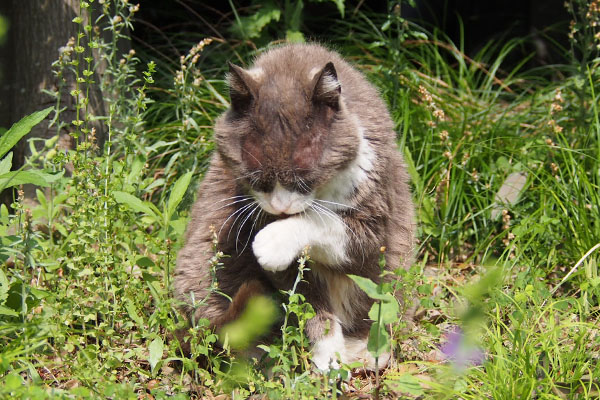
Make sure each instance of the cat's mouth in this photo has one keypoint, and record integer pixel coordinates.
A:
(284, 215)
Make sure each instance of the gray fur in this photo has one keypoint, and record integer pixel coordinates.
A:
(284, 125)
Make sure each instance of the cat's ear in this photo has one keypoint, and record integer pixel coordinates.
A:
(327, 87)
(242, 87)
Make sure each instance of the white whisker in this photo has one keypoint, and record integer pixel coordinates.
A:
(248, 175)
(246, 209)
(237, 236)
(337, 204)
(251, 155)
(235, 197)
(314, 208)
(234, 202)
(239, 210)
(302, 184)
(257, 218)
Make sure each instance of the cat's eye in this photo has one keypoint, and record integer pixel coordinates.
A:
(264, 186)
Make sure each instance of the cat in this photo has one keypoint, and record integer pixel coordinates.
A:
(305, 157)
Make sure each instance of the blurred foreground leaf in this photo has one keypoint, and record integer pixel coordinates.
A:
(255, 321)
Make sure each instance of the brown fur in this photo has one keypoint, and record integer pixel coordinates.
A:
(285, 126)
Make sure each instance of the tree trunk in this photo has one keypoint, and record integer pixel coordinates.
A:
(38, 28)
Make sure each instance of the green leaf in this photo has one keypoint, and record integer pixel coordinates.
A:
(155, 352)
(132, 312)
(293, 17)
(4, 286)
(13, 381)
(389, 310)
(405, 383)
(39, 293)
(179, 226)
(177, 193)
(35, 177)
(144, 262)
(134, 203)
(20, 129)
(252, 26)
(41, 198)
(379, 340)
(255, 321)
(6, 163)
(8, 311)
(294, 36)
(340, 6)
(136, 168)
(369, 287)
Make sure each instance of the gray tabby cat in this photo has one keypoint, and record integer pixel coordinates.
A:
(306, 156)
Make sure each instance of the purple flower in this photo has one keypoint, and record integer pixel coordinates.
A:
(460, 351)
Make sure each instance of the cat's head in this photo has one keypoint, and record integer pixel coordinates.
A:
(287, 133)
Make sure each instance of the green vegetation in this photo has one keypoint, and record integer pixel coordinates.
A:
(505, 165)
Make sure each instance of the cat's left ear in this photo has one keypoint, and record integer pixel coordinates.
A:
(327, 88)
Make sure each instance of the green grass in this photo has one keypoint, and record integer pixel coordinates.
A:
(86, 309)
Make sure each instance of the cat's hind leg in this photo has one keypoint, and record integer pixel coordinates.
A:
(328, 346)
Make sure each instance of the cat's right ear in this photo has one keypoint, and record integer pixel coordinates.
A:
(242, 88)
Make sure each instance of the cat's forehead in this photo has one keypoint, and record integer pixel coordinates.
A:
(284, 88)
(282, 105)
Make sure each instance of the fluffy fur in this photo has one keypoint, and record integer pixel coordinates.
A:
(306, 157)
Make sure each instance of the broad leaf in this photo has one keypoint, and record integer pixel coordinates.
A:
(340, 6)
(136, 169)
(177, 193)
(389, 310)
(12, 382)
(132, 312)
(369, 287)
(20, 129)
(379, 340)
(8, 311)
(144, 262)
(134, 203)
(252, 26)
(294, 36)
(6, 163)
(38, 178)
(155, 352)
(405, 383)
(4, 286)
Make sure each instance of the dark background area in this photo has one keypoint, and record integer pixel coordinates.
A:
(164, 30)
(163, 25)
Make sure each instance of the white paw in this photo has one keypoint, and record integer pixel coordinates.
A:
(276, 246)
(325, 362)
(356, 350)
(329, 350)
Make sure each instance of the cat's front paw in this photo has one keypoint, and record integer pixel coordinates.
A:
(276, 246)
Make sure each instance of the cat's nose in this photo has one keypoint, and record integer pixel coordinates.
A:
(280, 205)
(281, 199)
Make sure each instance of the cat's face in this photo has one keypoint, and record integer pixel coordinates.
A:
(281, 135)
